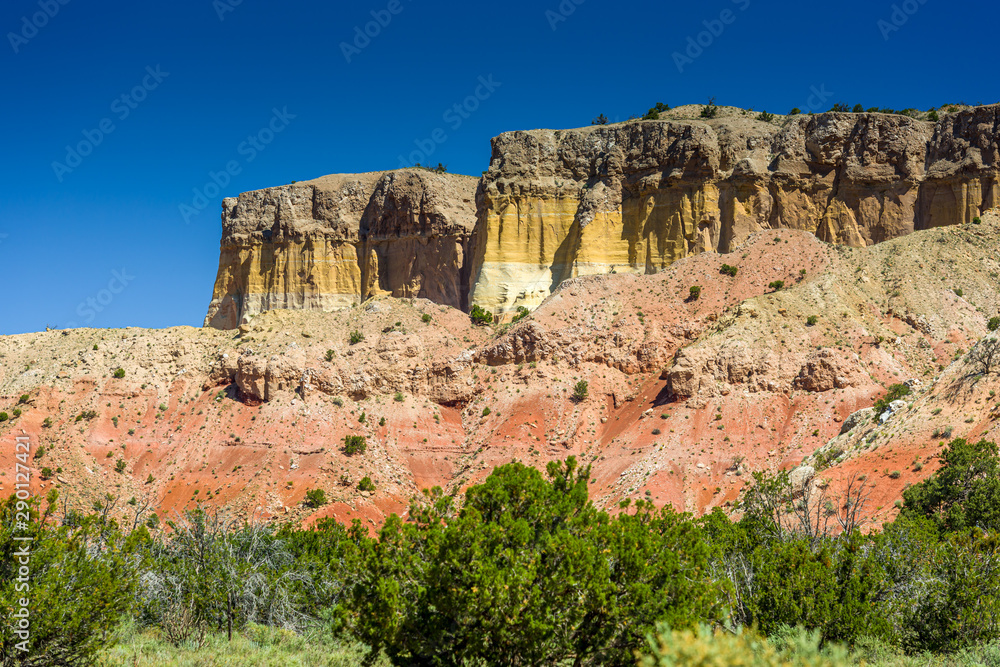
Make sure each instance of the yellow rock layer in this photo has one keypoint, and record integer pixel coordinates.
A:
(532, 244)
(315, 273)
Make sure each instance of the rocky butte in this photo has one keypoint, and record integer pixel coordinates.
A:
(837, 255)
(631, 197)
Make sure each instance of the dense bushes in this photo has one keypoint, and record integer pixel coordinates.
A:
(528, 569)
(80, 585)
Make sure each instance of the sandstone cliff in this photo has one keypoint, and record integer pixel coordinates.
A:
(335, 241)
(627, 198)
(637, 196)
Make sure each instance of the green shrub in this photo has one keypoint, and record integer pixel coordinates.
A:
(24, 399)
(315, 498)
(765, 117)
(120, 373)
(795, 112)
(4, 416)
(399, 398)
(964, 492)
(481, 316)
(330, 354)
(426, 318)
(40, 452)
(705, 647)
(338, 401)
(776, 285)
(355, 444)
(652, 114)
(356, 337)
(977, 220)
(366, 484)
(933, 116)
(363, 417)
(486, 411)
(812, 320)
(47, 423)
(580, 391)
(522, 541)
(600, 120)
(694, 292)
(993, 324)
(120, 466)
(959, 292)
(728, 270)
(710, 110)
(83, 583)
(893, 393)
(16, 412)
(46, 473)
(522, 313)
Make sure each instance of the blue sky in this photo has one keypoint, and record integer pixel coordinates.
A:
(162, 95)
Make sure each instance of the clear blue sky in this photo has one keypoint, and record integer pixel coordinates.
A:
(65, 229)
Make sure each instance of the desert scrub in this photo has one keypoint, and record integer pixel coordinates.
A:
(356, 337)
(694, 292)
(704, 646)
(315, 498)
(480, 316)
(355, 444)
(893, 393)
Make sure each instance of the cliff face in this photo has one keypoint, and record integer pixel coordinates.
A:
(330, 243)
(626, 198)
(638, 196)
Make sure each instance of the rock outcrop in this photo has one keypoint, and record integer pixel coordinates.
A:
(333, 242)
(636, 197)
(632, 197)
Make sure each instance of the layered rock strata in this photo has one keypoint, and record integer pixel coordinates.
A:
(333, 242)
(626, 198)
(636, 197)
